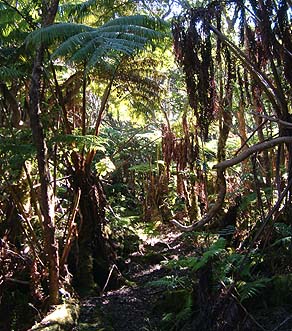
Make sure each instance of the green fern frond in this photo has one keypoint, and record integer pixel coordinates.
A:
(79, 54)
(168, 317)
(123, 35)
(16, 148)
(55, 32)
(285, 242)
(216, 249)
(88, 141)
(169, 282)
(283, 229)
(7, 73)
(228, 230)
(251, 289)
(79, 10)
(133, 21)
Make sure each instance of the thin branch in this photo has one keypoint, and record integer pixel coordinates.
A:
(253, 149)
(109, 277)
(282, 323)
(71, 228)
(273, 119)
(252, 134)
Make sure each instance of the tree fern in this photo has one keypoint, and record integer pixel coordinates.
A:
(82, 43)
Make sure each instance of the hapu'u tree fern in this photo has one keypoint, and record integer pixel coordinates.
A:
(114, 39)
(93, 49)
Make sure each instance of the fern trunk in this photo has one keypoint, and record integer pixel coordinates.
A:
(46, 192)
(94, 255)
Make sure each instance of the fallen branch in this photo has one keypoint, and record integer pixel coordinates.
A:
(251, 150)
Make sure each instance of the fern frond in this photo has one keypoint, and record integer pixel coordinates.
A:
(251, 289)
(7, 73)
(89, 141)
(55, 32)
(121, 36)
(227, 231)
(216, 249)
(133, 21)
(169, 282)
(79, 10)
(285, 242)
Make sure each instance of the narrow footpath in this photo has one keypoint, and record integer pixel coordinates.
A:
(135, 306)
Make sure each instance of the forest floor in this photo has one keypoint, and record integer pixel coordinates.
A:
(136, 306)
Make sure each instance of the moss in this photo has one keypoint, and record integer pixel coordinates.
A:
(173, 301)
(62, 318)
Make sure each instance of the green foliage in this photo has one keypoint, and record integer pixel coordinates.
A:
(283, 236)
(215, 250)
(248, 290)
(16, 148)
(90, 142)
(80, 43)
(8, 73)
(170, 282)
(104, 166)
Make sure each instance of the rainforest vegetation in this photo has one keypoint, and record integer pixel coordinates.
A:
(146, 165)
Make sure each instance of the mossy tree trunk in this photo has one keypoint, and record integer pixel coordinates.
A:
(94, 255)
(46, 200)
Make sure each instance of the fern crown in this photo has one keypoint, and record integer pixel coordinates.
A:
(113, 40)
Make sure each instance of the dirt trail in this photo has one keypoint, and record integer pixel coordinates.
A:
(133, 307)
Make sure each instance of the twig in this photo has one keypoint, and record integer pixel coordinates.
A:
(71, 228)
(17, 281)
(273, 119)
(241, 305)
(282, 323)
(109, 277)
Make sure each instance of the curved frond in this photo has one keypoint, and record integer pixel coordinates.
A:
(72, 44)
(7, 73)
(121, 36)
(82, 53)
(79, 10)
(54, 32)
(137, 20)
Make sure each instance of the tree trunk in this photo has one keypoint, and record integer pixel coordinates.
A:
(94, 255)
(46, 192)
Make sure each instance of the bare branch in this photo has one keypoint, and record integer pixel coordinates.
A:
(251, 150)
(273, 119)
